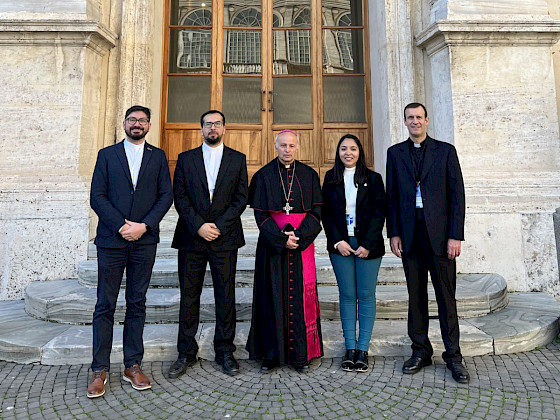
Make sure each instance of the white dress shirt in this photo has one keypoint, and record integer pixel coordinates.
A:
(134, 155)
(351, 192)
(212, 160)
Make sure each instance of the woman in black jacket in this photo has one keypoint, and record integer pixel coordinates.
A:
(353, 217)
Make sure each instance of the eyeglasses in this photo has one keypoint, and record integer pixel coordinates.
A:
(132, 120)
(216, 124)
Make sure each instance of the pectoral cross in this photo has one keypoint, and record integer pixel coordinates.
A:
(287, 208)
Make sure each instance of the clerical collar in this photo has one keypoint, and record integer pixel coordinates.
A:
(284, 166)
(419, 145)
(211, 149)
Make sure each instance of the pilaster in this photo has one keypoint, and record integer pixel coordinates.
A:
(493, 96)
(54, 57)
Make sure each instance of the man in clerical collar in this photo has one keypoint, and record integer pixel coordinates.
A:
(210, 188)
(425, 221)
(286, 197)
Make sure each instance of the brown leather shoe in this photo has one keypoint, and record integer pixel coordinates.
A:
(134, 375)
(96, 387)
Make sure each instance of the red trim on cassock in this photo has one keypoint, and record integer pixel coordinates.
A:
(311, 309)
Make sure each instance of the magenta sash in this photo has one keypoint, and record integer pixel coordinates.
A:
(311, 309)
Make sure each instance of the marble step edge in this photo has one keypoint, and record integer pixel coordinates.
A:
(164, 249)
(164, 273)
(67, 301)
(529, 321)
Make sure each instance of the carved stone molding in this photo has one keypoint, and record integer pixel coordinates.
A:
(89, 34)
(484, 33)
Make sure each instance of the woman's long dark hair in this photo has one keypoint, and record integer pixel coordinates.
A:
(360, 175)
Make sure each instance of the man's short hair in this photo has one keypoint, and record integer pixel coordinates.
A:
(212, 111)
(138, 108)
(415, 105)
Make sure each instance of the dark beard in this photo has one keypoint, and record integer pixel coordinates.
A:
(135, 137)
(212, 141)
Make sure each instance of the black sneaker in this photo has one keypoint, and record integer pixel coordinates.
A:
(361, 361)
(348, 360)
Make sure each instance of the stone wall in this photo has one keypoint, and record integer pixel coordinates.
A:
(53, 57)
(493, 96)
(484, 68)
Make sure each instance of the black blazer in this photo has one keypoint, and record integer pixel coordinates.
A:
(192, 201)
(370, 214)
(113, 198)
(443, 194)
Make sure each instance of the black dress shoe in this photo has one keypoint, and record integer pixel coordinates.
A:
(348, 360)
(415, 364)
(268, 365)
(459, 372)
(302, 368)
(228, 363)
(361, 361)
(179, 366)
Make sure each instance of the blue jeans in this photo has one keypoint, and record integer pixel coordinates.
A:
(357, 279)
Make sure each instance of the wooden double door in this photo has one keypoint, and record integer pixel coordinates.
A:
(268, 65)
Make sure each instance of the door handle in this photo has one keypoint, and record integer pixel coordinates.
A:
(270, 101)
(263, 100)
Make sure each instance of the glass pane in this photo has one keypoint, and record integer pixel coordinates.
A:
(286, 15)
(191, 13)
(292, 100)
(242, 16)
(343, 51)
(344, 99)
(242, 52)
(292, 52)
(342, 13)
(188, 98)
(190, 51)
(241, 101)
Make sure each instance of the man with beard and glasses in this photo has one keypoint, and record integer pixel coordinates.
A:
(130, 192)
(210, 189)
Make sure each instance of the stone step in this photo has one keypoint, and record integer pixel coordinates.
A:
(164, 273)
(250, 230)
(67, 301)
(164, 249)
(169, 222)
(529, 321)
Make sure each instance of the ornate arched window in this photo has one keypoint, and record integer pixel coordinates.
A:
(300, 41)
(344, 40)
(244, 47)
(195, 46)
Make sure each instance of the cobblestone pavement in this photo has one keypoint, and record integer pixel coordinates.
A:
(517, 386)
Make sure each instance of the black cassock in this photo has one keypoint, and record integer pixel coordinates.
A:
(285, 323)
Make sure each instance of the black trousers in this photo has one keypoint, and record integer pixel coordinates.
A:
(138, 260)
(192, 267)
(417, 263)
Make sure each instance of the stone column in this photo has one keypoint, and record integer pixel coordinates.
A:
(392, 73)
(493, 96)
(53, 57)
(136, 57)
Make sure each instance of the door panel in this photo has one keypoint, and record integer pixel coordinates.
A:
(268, 65)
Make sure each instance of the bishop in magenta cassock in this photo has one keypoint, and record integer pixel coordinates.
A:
(286, 198)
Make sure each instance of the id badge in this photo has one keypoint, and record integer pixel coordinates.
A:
(419, 204)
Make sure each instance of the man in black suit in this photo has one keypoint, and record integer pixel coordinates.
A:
(210, 189)
(425, 221)
(130, 192)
